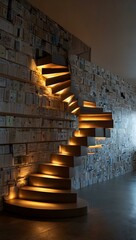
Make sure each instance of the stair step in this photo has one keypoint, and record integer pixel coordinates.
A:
(60, 86)
(46, 210)
(42, 180)
(96, 124)
(93, 132)
(54, 170)
(82, 141)
(88, 104)
(57, 79)
(65, 93)
(76, 111)
(73, 105)
(69, 99)
(66, 160)
(73, 150)
(51, 59)
(47, 194)
(52, 70)
(90, 110)
(98, 116)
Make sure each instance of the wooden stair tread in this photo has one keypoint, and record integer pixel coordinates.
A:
(48, 206)
(93, 132)
(46, 210)
(57, 79)
(83, 141)
(59, 86)
(53, 164)
(49, 190)
(40, 175)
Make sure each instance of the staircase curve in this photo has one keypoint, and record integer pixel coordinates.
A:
(49, 193)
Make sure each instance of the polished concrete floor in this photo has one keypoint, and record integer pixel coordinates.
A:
(111, 216)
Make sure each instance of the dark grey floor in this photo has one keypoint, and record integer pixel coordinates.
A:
(111, 216)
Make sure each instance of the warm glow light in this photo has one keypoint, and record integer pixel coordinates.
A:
(96, 146)
(51, 65)
(51, 75)
(98, 117)
(72, 142)
(75, 110)
(33, 204)
(56, 162)
(40, 189)
(89, 104)
(63, 151)
(61, 91)
(72, 103)
(77, 133)
(43, 176)
(68, 99)
(12, 192)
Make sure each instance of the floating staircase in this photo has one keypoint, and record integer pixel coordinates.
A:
(48, 193)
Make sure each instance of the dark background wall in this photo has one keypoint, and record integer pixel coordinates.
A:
(107, 26)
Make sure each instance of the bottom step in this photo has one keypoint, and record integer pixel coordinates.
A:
(46, 210)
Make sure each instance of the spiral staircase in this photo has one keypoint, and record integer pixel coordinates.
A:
(49, 193)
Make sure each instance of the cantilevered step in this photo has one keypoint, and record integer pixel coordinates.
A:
(73, 105)
(65, 93)
(93, 132)
(97, 116)
(53, 169)
(66, 160)
(96, 124)
(69, 99)
(47, 181)
(73, 150)
(47, 195)
(57, 79)
(59, 86)
(50, 60)
(82, 141)
(87, 104)
(54, 70)
(90, 110)
(46, 210)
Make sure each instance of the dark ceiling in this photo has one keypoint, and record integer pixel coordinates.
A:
(107, 26)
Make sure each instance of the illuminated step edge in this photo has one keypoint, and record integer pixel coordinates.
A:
(47, 194)
(66, 160)
(57, 79)
(46, 210)
(98, 117)
(59, 86)
(47, 181)
(73, 150)
(82, 141)
(53, 169)
(94, 132)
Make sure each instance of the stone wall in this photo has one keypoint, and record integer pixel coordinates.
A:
(32, 121)
(115, 95)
